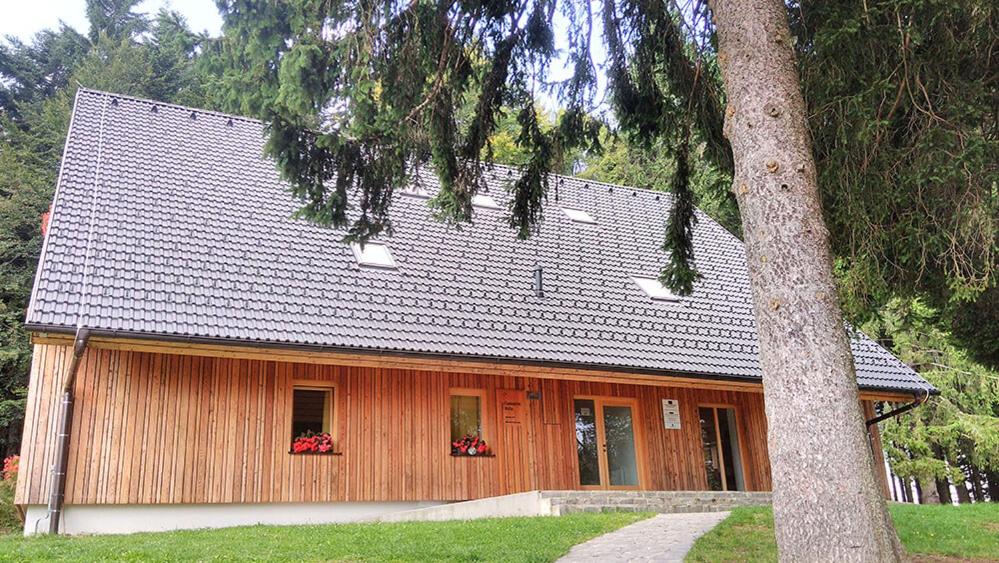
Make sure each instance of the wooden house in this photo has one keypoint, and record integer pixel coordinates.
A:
(195, 330)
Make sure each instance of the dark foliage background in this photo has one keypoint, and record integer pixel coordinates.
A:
(902, 109)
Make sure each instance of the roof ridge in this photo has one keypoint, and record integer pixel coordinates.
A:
(588, 180)
(151, 101)
(261, 122)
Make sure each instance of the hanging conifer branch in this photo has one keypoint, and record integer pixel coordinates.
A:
(680, 274)
(367, 93)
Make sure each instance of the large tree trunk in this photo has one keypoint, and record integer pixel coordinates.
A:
(827, 501)
(943, 491)
(976, 484)
(992, 477)
(963, 496)
(919, 492)
(928, 492)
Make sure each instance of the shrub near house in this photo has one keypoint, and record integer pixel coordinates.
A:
(10, 521)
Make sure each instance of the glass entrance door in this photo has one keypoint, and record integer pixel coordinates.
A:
(605, 443)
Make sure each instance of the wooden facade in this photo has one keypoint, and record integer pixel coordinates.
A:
(152, 427)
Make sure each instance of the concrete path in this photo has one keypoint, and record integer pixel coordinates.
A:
(664, 537)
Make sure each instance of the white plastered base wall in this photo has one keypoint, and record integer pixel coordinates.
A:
(131, 518)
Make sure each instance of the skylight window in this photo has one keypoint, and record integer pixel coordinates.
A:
(415, 191)
(373, 254)
(655, 290)
(484, 200)
(579, 216)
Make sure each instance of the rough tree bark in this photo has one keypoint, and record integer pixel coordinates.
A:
(929, 494)
(827, 501)
(992, 477)
(963, 496)
(976, 483)
(943, 491)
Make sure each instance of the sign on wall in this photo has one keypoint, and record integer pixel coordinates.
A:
(671, 414)
(511, 403)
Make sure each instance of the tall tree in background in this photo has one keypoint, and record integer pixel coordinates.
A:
(37, 86)
(953, 438)
(902, 103)
(357, 95)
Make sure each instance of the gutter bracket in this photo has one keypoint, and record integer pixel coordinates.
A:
(901, 410)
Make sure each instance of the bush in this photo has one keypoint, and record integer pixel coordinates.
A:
(10, 519)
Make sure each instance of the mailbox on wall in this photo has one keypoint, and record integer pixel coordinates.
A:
(671, 414)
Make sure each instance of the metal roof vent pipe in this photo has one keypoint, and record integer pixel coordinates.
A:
(539, 288)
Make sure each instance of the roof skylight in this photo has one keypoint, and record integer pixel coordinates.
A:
(655, 290)
(373, 254)
(415, 191)
(484, 200)
(579, 216)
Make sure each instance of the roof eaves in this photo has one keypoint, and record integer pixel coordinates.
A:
(266, 344)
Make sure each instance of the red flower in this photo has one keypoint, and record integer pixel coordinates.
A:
(469, 444)
(313, 443)
(10, 467)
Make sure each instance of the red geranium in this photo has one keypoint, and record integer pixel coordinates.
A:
(469, 445)
(10, 467)
(311, 442)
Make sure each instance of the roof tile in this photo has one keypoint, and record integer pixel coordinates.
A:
(193, 235)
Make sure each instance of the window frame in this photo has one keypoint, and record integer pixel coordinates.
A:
(586, 218)
(415, 191)
(468, 392)
(486, 201)
(360, 261)
(314, 385)
(739, 443)
(669, 296)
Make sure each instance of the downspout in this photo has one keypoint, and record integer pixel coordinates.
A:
(57, 489)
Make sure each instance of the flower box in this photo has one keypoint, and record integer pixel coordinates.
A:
(312, 443)
(470, 446)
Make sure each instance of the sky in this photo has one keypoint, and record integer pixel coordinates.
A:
(24, 18)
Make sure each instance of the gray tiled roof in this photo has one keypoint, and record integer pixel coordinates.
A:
(191, 235)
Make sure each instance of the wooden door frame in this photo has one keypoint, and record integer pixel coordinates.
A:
(637, 430)
(739, 441)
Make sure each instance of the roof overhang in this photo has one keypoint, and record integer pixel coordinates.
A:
(419, 361)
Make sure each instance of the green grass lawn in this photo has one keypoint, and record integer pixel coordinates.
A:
(964, 532)
(507, 539)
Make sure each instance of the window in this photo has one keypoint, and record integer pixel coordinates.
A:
(484, 200)
(415, 191)
(654, 289)
(373, 254)
(311, 410)
(579, 215)
(466, 414)
(722, 455)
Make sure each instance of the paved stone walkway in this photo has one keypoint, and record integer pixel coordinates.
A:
(664, 537)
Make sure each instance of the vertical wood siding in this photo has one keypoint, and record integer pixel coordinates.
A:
(874, 434)
(162, 428)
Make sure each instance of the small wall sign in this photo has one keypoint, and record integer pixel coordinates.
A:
(511, 405)
(671, 414)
